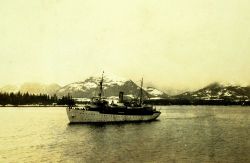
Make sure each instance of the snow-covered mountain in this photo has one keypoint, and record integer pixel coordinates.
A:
(112, 85)
(216, 91)
(38, 88)
(9, 88)
(155, 93)
(31, 87)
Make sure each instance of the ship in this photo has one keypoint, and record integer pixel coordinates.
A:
(100, 110)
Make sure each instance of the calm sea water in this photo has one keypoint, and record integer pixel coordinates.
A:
(182, 134)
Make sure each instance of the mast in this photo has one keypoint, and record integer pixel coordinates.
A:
(101, 90)
(141, 92)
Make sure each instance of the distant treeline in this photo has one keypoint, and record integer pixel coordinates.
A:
(33, 99)
(44, 99)
(195, 102)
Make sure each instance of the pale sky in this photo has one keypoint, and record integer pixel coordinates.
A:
(171, 43)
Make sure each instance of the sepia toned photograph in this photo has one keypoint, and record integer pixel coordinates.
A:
(125, 81)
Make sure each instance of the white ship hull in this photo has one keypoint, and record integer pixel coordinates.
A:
(86, 116)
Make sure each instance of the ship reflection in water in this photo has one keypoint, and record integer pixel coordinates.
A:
(182, 134)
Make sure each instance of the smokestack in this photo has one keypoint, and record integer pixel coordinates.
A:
(121, 97)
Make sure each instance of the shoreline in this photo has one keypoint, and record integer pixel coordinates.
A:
(81, 105)
(33, 106)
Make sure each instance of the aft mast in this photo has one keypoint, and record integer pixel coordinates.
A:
(141, 90)
(101, 89)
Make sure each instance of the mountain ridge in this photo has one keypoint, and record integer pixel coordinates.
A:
(32, 87)
(218, 91)
(111, 87)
